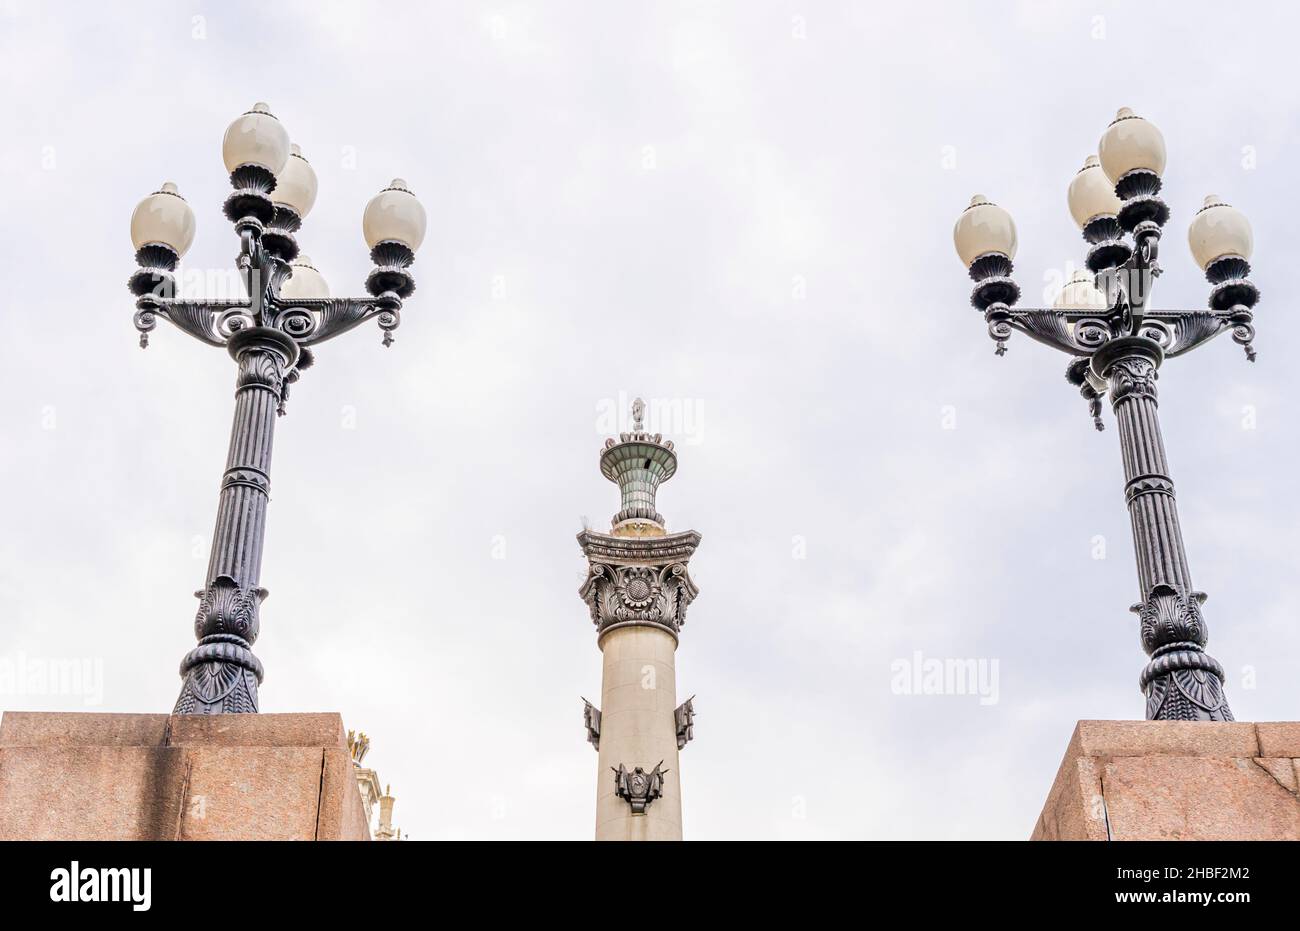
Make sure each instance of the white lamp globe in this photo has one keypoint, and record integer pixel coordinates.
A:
(1091, 193)
(306, 283)
(1081, 293)
(983, 227)
(1130, 143)
(394, 215)
(1219, 229)
(295, 186)
(163, 217)
(256, 138)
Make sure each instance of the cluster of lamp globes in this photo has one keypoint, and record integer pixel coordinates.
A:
(259, 139)
(1130, 144)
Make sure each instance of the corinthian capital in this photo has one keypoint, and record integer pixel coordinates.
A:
(638, 581)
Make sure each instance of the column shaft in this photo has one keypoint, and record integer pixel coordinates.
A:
(221, 675)
(637, 728)
(1181, 682)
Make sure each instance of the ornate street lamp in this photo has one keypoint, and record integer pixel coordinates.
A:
(1103, 320)
(285, 310)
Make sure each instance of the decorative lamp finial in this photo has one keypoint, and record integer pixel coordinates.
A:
(638, 462)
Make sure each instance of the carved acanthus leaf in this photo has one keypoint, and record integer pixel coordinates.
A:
(1048, 327)
(336, 316)
(1192, 329)
(199, 318)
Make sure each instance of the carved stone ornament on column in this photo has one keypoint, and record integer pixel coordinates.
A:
(637, 573)
(638, 787)
(633, 581)
(684, 715)
(591, 720)
(358, 747)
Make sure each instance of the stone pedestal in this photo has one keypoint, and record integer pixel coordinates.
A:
(1176, 780)
(72, 776)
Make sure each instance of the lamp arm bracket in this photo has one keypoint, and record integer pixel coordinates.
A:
(1189, 328)
(314, 320)
(1080, 332)
(1047, 326)
(307, 321)
(210, 322)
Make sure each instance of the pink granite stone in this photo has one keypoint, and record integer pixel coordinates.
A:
(1279, 738)
(160, 777)
(342, 814)
(1166, 780)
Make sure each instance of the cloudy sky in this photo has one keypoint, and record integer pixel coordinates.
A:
(743, 213)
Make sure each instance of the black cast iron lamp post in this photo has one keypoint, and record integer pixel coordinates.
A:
(1102, 319)
(285, 309)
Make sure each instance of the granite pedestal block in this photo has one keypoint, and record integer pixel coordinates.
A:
(1173, 780)
(73, 776)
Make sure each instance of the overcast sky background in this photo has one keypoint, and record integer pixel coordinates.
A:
(743, 213)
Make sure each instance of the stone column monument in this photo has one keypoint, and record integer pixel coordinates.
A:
(638, 588)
